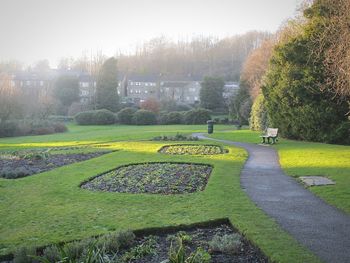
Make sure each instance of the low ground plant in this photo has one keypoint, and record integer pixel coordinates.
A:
(177, 137)
(196, 149)
(226, 244)
(156, 178)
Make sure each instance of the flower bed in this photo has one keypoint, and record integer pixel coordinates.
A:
(17, 165)
(191, 149)
(205, 244)
(156, 178)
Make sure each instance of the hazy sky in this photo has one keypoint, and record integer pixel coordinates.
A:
(36, 29)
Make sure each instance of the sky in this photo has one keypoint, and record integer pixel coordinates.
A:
(31, 30)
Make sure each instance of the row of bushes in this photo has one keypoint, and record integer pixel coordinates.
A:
(30, 127)
(142, 117)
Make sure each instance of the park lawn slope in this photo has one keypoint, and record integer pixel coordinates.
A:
(83, 135)
(299, 158)
(51, 207)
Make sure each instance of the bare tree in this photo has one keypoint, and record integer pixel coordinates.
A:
(9, 98)
(255, 67)
(335, 39)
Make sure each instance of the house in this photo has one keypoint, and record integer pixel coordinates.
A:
(138, 88)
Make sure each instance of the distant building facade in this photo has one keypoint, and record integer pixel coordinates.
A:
(132, 88)
(138, 88)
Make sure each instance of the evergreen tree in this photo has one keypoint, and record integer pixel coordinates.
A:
(298, 99)
(211, 93)
(107, 84)
(67, 91)
(240, 105)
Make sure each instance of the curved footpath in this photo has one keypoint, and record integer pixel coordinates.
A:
(322, 228)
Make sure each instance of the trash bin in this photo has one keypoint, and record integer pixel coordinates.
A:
(210, 126)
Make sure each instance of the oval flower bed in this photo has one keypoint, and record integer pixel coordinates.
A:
(156, 178)
(192, 149)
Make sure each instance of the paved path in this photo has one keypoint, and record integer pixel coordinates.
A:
(320, 227)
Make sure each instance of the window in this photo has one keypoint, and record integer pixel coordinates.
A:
(187, 98)
(28, 82)
(41, 83)
(195, 98)
(85, 84)
(146, 91)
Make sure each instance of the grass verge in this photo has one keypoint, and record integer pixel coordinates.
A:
(51, 207)
(306, 158)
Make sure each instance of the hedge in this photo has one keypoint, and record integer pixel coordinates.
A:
(95, 117)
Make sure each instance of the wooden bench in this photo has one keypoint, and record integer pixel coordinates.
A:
(271, 133)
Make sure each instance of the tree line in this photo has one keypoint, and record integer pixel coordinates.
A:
(300, 79)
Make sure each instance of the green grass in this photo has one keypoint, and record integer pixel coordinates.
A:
(81, 135)
(306, 158)
(51, 207)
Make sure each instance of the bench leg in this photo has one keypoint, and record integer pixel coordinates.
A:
(263, 140)
(268, 140)
(273, 140)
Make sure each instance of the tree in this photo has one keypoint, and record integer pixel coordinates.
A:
(211, 93)
(332, 43)
(107, 84)
(299, 99)
(42, 65)
(66, 90)
(10, 105)
(240, 105)
(258, 118)
(45, 105)
(255, 67)
(151, 104)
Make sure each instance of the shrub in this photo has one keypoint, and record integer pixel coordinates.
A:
(60, 118)
(104, 117)
(59, 127)
(25, 255)
(226, 244)
(144, 117)
(174, 117)
(30, 127)
(148, 247)
(341, 135)
(51, 254)
(125, 115)
(115, 241)
(171, 105)
(258, 119)
(95, 117)
(197, 116)
(8, 128)
(150, 104)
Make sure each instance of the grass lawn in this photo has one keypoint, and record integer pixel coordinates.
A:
(306, 158)
(51, 207)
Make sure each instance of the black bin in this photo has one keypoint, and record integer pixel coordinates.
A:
(210, 126)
